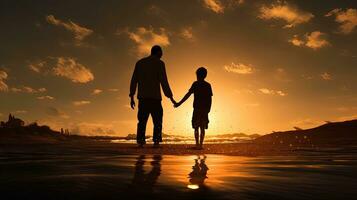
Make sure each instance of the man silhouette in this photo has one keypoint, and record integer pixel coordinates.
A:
(149, 74)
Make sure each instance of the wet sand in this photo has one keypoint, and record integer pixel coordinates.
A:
(87, 170)
(109, 148)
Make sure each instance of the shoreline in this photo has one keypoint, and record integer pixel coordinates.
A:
(91, 147)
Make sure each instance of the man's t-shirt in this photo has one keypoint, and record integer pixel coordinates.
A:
(202, 95)
(149, 74)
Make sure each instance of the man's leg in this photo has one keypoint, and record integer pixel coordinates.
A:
(157, 114)
(143, 115)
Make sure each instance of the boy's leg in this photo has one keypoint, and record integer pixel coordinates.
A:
(143, 115)
(196, 136)
(202, 135)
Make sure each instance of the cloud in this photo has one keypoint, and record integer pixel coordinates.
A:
(81, 103)
(93, 128)
(52, 111)
(326, 76)
(97, 91)
(71, 69)
(347, 118)
(219, 6)
(346, 108)
(186, 33)
(266, 91)
(156, 10)
(238, 68)
(37, 66)
(27, 89)
(280, 93)
(296, 41)
(307, 77)
(306, 123)
(283, 11)
(80, 32)
(47, 97)
(3, 86)
(272, 92)
(20, 112)
(315, 40)
(63, 66)
(243, 91)
(145, 38)
(280, 74)
(113, 90)
(214, 5)
(347, 19)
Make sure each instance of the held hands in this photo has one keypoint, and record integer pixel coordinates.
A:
(174, 102)
(132, 102)
(177, 105)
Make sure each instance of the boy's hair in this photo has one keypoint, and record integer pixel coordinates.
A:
(201, 72)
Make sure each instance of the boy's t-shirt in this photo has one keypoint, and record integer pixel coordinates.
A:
(202, 95)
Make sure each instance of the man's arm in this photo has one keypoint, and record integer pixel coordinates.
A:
(164, 82)
(133, 84)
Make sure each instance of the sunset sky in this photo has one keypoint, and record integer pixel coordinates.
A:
(272, 65)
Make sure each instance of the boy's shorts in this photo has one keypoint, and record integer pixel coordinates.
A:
(200, 119)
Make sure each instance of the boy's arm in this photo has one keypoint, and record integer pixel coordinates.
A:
(188, 94)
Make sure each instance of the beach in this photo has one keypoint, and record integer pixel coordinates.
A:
(97, 170)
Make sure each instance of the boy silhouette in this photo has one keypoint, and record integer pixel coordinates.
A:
(201, 105)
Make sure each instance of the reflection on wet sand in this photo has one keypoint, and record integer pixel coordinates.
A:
(178, 177)
(145, 180)
(198, 174)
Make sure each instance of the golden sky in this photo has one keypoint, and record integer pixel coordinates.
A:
(272, 65)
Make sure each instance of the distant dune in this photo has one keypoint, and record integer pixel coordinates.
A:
(14, 131)
(330, 133)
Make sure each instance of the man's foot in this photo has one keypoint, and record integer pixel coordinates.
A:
(199, 147)
(141, 145)
(156, 145)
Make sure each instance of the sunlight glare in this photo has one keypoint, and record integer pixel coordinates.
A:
(193, 186)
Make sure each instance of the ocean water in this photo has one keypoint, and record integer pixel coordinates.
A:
(49, 176)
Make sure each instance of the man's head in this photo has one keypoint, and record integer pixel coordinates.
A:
(201, 73)
(156, 51)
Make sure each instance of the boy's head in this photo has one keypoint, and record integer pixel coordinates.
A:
(201, 73)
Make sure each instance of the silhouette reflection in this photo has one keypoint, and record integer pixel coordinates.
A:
(145, 180)
(198, 174)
